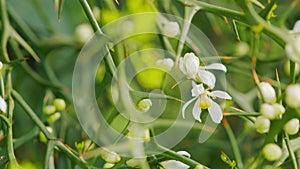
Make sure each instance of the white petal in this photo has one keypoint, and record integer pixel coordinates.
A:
(3, 105)
(186, 105)
(166, 63)
(296, 28)
(197, 111)
(184, 153)
(221, 94)
(173, 164)
(191, 64)
(216, 66)
(181, 66)
(207, 78)
(215, 112)
(197, 89)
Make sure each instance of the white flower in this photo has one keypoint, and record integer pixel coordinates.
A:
(170, 29)
(292, 96)
(268, 92)
(3, 105)
(145, 105)
(166, 63)
(204, 100)
(190, 66)
(173, 164)
(83, 32)
(292, 49)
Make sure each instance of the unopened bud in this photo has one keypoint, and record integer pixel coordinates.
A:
(268, 111)
(272, 152)
(292, 96)
(262, 124)
(292, 126)
(111, 157)
(268, 92)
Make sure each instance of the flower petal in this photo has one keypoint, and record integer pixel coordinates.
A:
(207, 78)
(215, 112)
(216, 66)
(197, 89)
(186, 105)
(197, 111)
(3, 105)
(181, 66)
(184, 153)
(221, 94)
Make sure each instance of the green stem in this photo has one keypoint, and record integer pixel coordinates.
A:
(69, 153)
(292, 72)
(290, 149)
(173, 155)
(234, 144)
(49, 162)
(89, 13)
(25, 138)
(5, 30)
(31, 114)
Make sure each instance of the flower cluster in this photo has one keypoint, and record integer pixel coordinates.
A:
(203, 82)
(270, 110)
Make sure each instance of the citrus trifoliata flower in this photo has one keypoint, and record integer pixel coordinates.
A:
(292, 49)
(166, 63)
(172, 164)
(3, 105)
(190, 66)
(268, 92)
(292, 96)
(170, 29)
(267, 110)
(204, 100)
(145, 105)
(272, 152)
(262, 124)
(292, 126)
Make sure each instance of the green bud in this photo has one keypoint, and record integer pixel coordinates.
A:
(272, 152)
(60, 104)
(292, 126)
(49, 109)
(54, 117)
(42, 136)
(292, 96)
(108, 165)
(262, 124)
(242, 49)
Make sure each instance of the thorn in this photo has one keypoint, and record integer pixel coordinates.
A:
(55, 4)
(176, 84)
(277, 75)
(294, 3)
(226, 20)
(179, 100)
(117, 2)
(255, 77)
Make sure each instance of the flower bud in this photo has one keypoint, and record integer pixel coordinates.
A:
(171, 29)
(278, 110)
(272, 152)
(53, 118)
(242, 49)
(172, 164)
(292, 126)
(59, 104)
(42, 136)
(167, 63)
(111, 157)
(292, 49)
(268, 111)
(49, 109)
(262, 124)
(3, 105)
(83, 32)
(267, 92)
(292, 96)
(108, 165)
(199, 167)
(189, 65)
(144, 105)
